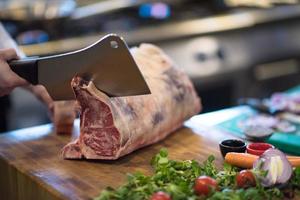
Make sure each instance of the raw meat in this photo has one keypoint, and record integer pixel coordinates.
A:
(113, 127)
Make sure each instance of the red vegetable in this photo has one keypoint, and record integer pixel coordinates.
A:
(160, 196)
(245, 179)
(204, 185)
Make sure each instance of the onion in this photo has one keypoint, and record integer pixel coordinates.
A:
(279, 169)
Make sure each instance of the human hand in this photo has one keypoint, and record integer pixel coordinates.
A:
(8, 79)
(41, 93)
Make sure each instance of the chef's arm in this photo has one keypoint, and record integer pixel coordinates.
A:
(12, 80)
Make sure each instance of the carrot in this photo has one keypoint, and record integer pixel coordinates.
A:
(245, 160)
(295, 162)
(293, 157)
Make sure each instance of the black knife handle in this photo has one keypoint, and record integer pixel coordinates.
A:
(26, 68)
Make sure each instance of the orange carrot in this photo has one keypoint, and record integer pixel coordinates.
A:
(295, 162)
(245, 160)
(293, 157)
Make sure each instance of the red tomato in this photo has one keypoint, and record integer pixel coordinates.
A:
(160, 196)
(204, 185)
(245, 179)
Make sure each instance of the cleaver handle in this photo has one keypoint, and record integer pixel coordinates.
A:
(26, 68)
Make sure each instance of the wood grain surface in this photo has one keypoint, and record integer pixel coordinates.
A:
(31, 166)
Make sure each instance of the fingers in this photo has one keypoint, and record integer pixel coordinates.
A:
(41, 93)
(8, 79)
(8, 54)
(4, 91)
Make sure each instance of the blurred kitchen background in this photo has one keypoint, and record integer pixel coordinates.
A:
(230, 48)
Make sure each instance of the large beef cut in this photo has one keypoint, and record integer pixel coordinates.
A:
(113, 127)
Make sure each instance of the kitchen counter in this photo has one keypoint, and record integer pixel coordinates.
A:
(31, 166)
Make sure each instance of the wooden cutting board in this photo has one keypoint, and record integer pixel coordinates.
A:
(31, 166)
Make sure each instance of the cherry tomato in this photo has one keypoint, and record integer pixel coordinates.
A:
(204, 185)
(160, 196)
(245, 179)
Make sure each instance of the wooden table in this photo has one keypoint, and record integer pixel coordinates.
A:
(31, 166)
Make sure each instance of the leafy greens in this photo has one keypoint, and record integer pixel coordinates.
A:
(177, 179)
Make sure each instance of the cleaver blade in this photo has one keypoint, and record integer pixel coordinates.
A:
(108, 63)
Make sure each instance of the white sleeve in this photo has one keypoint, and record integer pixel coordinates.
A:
(7, 42)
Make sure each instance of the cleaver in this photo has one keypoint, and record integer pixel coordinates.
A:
(107, 63)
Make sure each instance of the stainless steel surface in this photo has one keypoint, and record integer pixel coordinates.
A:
(108, 63)
(261, 4)
(175, 30)
(264, 72)
(29, 10)
(205, 57)
(102, 7)
(108, 6)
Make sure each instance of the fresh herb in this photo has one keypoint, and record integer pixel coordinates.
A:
(247, 194)
(177, 178)
(226, 178)
(296, 178)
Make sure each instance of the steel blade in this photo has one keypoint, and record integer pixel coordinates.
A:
(107, 62)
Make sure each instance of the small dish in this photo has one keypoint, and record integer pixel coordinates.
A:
(232, 145)
(258, 148)
(258, 133)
